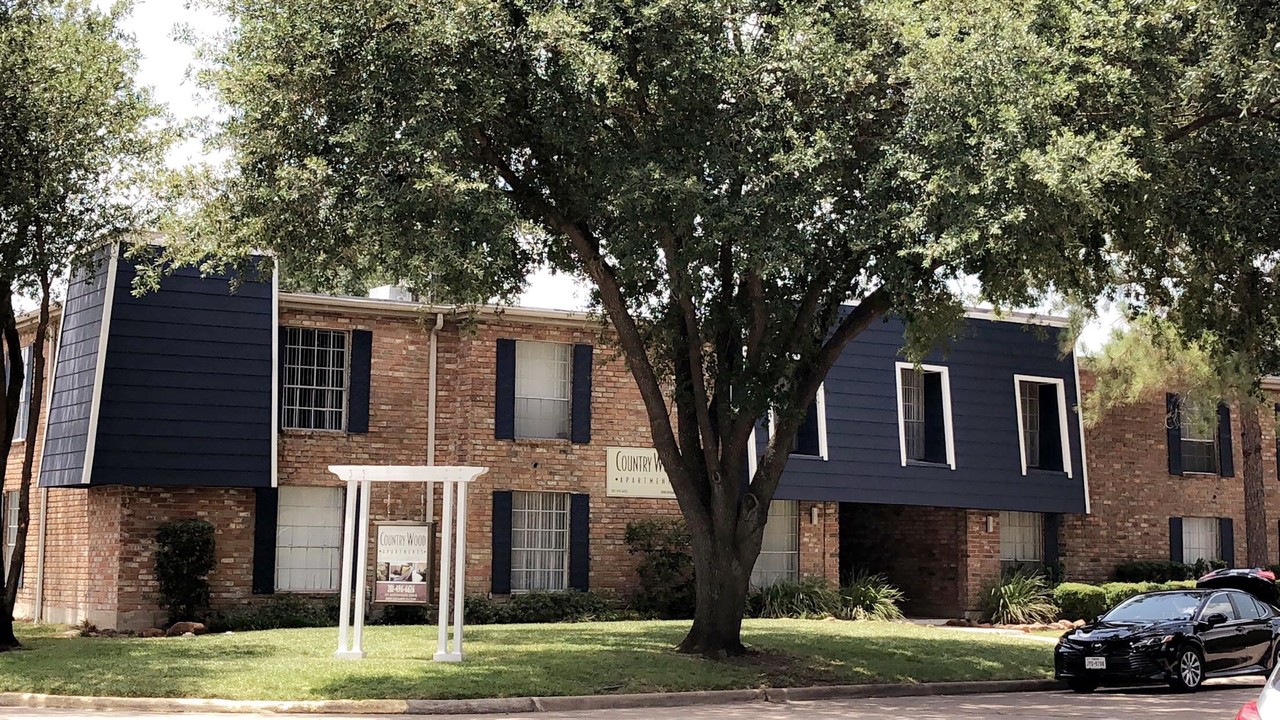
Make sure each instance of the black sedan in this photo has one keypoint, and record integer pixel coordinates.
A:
(1227, 625)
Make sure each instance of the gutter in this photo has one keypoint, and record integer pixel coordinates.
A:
(40, 544)
(431, 413)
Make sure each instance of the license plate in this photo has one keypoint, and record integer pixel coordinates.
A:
(1095, 663)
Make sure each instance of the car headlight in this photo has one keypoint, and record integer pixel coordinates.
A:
(1152, 642)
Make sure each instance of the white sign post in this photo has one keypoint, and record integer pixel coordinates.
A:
(452, 560)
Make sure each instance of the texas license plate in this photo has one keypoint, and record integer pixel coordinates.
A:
(1095, 663)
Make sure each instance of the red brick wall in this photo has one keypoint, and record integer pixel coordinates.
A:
(1133, 495)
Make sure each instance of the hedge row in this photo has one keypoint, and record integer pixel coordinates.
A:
(1078, 601)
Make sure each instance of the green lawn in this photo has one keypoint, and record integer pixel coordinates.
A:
(509, 660)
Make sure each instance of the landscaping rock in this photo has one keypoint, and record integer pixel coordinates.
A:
(1078, 623)
(188, 634)
(71, 633)
(152, 632)
(959, 622)
(183, 628)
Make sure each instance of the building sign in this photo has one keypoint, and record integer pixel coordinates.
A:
(637, 472)
(403, 564)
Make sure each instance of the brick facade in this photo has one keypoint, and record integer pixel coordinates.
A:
(1133, 495)
(107, 533)
(99, 565)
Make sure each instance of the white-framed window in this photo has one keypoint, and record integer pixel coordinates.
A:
(539, 541)
(1021, 538)
(1201, 539)
(925, 432)
(811, 437)
(780, 549)
(1042, 423)
(543, 382)
(10, 528)
(316, 365)
(1198, 425)
(309, 539)
(24, 393)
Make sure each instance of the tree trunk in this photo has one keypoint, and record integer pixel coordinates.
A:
(722, 574)
(1255, 495)
(8, 640)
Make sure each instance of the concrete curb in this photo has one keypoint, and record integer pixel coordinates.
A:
(519, 705)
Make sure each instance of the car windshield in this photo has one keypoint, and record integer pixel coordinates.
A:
(1163, 606)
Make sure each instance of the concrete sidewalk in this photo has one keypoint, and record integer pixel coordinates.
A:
(517, 705)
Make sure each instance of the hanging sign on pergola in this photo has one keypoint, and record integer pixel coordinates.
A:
(355, 546)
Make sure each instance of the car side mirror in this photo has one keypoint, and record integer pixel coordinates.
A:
(1214, 619)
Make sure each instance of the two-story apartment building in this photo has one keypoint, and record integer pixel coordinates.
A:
(195, 401)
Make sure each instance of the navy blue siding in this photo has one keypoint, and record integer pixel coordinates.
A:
(862, 425)
(67, 433)
(186, 394)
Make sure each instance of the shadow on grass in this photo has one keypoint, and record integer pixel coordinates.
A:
(511, 661)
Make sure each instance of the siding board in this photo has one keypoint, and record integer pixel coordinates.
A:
(862, 425)
(187, 384)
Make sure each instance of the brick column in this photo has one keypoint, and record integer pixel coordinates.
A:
(979, 556)
(820, 541)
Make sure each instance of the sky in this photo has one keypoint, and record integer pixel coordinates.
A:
(166, 64)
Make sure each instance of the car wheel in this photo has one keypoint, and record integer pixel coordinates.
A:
(1188, 670)
(1082, 685)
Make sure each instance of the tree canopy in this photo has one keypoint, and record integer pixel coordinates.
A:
(746, 185)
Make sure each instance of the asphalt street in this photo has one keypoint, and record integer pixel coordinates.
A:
(1212, 702)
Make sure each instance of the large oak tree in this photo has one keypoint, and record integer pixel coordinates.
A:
(746, 185)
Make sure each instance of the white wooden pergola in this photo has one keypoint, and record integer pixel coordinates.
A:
(455, 479)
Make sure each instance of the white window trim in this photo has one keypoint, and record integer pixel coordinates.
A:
(1062, 419)
(25, 394)
(823, 454)
(949, 431)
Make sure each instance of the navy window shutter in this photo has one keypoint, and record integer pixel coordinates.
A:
(1052, 523)
(580, 412)
(580, 542)
(1227, 539)
(935, 424)
(504, 401)
(500, 574)
(1175, 539)
(1277, 434)
(266, 504)
(1173, 424)
(361, 369)
(1050, 429)
(1226, 459)
(280, 370)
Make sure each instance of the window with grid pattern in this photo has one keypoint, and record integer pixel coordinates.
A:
(913, 412)
(543, 380)
(1029, 404)
(1198, 423)
(780, 550)
(1200, 539)
(1021, 538)
(539, 541)
(315, 379)
(10, 527)
(309, 539)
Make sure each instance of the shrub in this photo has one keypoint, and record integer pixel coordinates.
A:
(1204, 567)
(666, 568)
(871, 597)
(279, 611)
(1083, 602)
(407, 615)
(1018, 600)
(1157, 571)
(1078, 601)
(184, 559)
(811, 597)
(539, 607)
